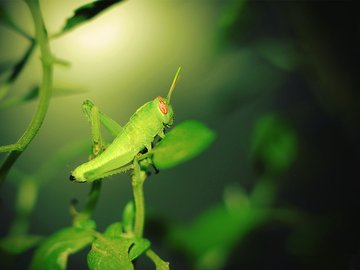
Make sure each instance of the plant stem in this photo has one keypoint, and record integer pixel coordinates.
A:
(137, 184)
(160, 264)
(46, 86)
(44, 92)
(138, 179)
(93, 198)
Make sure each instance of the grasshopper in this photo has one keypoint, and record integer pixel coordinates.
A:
(137, 135)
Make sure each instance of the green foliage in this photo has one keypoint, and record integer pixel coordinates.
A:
(139, 247)
(115, 250)
(5, 66)
(54, 251)
(210, 237)
(109, 254)
(185, 141)
(279, 53)
(274, 142)
(87, 12)
(17, 244)
(114, 230)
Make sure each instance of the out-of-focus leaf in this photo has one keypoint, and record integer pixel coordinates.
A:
(264, 192)
(17, 244)
(16, 100)
(54, 251)
(7, 20)
(5, 66)
(20, 65)
(281, 54)
(212, 236)
(274, 142)
(230, 13)
(185, 141)
(229, 18)
(114, 231)
(87, 12)
(4, 17)
(5, 86)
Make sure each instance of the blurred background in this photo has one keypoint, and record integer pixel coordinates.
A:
(278, 83)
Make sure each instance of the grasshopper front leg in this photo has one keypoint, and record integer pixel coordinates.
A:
(91, 111)
(96, 119)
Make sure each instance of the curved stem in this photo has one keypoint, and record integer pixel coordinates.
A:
(44, 92)
(138, 179)
(159, 263)
(139, 208)
(46, 85)
(93, 198)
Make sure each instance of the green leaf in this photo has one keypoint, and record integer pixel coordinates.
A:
(185, 141)
(6, 20)
(22, 62)
(17, 244)
(274, 142)
(114, 231)
(279, 53)
(110, 254)
(16, 70)
(113, 250)
(211, 237)
(4, 16)
(139, 247)
(86, 12)
(54, 251)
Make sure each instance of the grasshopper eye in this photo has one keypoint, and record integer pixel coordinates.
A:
(162, 106)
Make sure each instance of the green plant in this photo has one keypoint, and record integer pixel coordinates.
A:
(122, 242)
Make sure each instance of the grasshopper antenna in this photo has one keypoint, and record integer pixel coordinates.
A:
(172, 87)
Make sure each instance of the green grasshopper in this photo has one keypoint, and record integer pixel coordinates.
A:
(147, 122)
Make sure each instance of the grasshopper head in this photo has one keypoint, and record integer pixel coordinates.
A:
(77, 175)
(165, 111)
